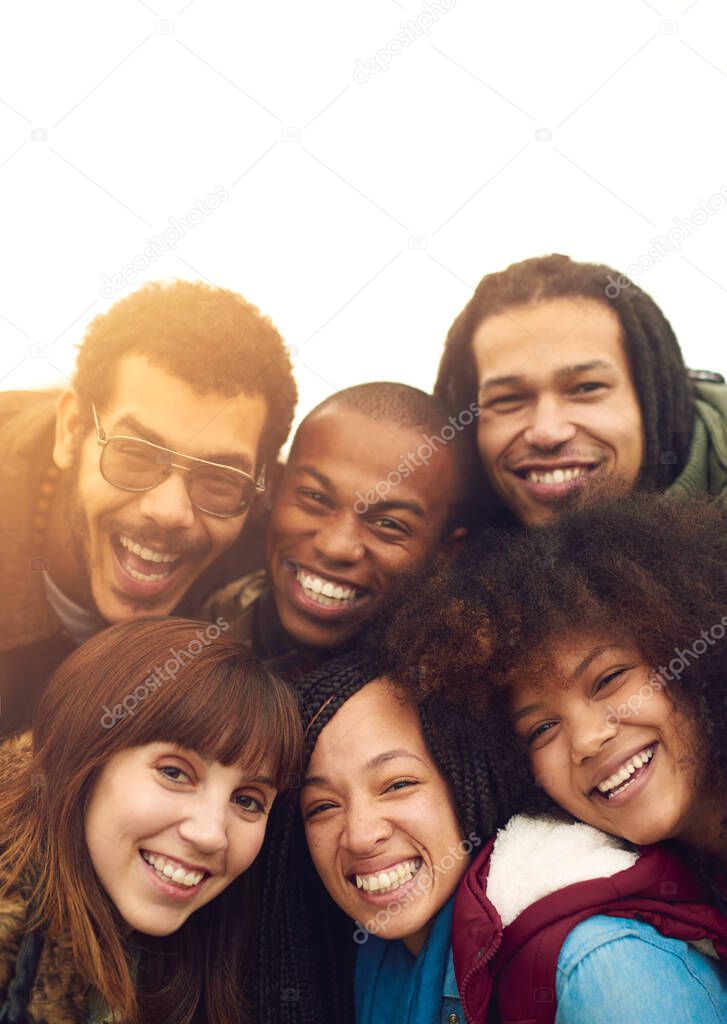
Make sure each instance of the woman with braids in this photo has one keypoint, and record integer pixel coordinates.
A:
(603, 637)
(581, 386)
(127, 822)
(394, 799)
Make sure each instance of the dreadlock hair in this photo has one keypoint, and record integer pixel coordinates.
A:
(307, 951)
(658, 371)
(644, 569)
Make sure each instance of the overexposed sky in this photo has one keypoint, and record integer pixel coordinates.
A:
(355, 168)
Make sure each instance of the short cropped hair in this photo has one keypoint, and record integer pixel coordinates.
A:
(209, 337)
(412, 409)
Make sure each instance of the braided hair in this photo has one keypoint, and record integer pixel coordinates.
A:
(307, 952)
(657, 368)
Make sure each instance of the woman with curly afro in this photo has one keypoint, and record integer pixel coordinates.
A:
(604, 638)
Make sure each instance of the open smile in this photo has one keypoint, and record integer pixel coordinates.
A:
(326, 597)
(628, 779)
(378, 886)
(172, 878)
(142, 571)
(552, 481)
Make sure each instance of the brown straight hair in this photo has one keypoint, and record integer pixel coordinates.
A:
(143, 681)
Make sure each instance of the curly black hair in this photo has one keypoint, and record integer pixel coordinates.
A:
(209, 337)
(650, 569)
(659, 374)
(307, 950)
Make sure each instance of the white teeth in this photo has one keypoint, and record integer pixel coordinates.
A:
(146, 553)
(145, 577)
(325, 592)
(392, 878)
(557, 476)
(171, 871)
(626, 771)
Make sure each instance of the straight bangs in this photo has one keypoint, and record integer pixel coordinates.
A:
(227, 707)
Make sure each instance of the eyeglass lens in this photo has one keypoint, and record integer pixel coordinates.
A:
(138, 466)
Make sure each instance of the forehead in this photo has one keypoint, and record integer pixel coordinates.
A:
(185, 419)
(570, 655)
(534, 341)
(372, 721)
(356, 452)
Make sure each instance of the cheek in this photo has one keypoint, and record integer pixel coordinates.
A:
(489, 439)
(248, 840)
(550, 768)
(222, 532)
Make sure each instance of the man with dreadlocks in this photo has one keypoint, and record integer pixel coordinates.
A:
(581, 385)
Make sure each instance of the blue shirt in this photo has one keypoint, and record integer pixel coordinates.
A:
(614, 969)
(617, 969)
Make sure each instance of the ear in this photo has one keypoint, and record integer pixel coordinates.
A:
(273, 478)
(452, 544)
(68, 424)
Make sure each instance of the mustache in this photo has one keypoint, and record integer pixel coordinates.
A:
(172, 542)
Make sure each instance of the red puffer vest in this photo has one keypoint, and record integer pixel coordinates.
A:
(514, 966)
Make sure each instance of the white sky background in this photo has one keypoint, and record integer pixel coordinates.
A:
(362, 208)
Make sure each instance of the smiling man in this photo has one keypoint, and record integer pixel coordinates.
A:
(124, 489)
(374, 490)
(581, 387)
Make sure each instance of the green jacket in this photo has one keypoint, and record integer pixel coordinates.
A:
(705, 471)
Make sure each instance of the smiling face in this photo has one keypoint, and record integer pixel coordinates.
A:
(167, 831)
(607, 743)
(333, 556)
(380, 819)
(140, 552)
(559, 411)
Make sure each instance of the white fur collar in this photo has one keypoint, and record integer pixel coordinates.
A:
(535, 856)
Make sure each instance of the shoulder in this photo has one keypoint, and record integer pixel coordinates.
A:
(235, 597)
(27, 404)
(610, 962)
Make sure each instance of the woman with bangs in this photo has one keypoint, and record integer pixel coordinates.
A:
(128, 820)
(603, 638)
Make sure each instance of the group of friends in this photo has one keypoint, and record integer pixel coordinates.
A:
(423, 724)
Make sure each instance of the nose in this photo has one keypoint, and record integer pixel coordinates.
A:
(204, 826)
(168, 503)
(590, 731)
(364, 829)
(550, 427)
(339, 539)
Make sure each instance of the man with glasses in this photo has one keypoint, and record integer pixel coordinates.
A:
(123, 493)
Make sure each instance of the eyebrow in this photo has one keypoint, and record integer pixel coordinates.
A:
(379, 506)
(515, 380)
(577, 672)
(262, 780)
(595, 653)
(374, 762)
(234, 459)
